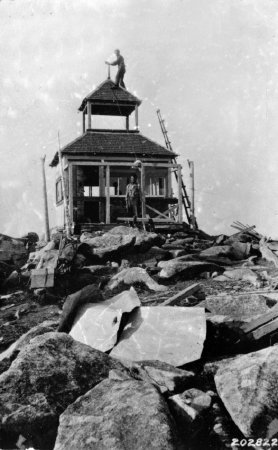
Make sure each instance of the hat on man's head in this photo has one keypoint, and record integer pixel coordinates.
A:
(117, 51)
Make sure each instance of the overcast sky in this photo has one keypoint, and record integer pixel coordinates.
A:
(211, 66)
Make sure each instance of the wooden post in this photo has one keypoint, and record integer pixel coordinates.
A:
(136, 118)
(89, 112)
(46, 218)
(70, 192)
(84, 121)
(127, 123)
(107, 194)
(191, 165)
(179, 194)
(101, 193)
(143, 198)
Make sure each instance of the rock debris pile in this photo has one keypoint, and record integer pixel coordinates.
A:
(135, 340)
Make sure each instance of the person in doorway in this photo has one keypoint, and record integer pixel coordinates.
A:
(120, 62)
(133, 196)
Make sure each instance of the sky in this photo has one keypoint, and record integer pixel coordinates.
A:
(211, 66)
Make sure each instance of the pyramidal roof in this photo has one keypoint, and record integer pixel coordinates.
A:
(106, 95)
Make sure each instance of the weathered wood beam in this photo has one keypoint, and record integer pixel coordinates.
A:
(179, 194)
(143, 198)
(181, 295)
(159, 213)
(107, 194)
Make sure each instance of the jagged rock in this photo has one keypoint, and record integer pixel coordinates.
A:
(144, 240)
(89, 294)
(98, 325)
(169, 379)
(240, 250)
(244, 274)
(150, 257)
(189, 410)
(165, 333)
(247, 385)
(10, 354)
(237, 307)
(48, 375)
(118, 415)
(13, 250)
(132, 276)
(180, 268)
(108, 246)
(215, 252)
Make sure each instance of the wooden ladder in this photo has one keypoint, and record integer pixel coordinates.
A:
(185, 199)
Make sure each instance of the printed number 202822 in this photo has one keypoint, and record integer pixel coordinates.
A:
(261, 442)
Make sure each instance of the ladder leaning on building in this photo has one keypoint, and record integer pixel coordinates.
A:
(189, 211)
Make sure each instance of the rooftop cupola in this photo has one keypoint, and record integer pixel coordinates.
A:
(105, 100)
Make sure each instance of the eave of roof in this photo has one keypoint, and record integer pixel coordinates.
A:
(118, 142)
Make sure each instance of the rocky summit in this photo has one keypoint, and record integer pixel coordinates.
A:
(129, 339)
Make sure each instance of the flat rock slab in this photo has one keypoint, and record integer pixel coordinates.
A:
(247, 385)
(98, 325)
(118, 415)
(169, 334)
(237, 307)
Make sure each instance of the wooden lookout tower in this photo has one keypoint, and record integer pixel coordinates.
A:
(98, 164)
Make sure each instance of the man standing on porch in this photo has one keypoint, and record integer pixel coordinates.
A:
(133, 196)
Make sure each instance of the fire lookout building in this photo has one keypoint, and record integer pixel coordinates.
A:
(98, 165)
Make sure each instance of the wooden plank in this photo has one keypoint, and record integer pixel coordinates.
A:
(80, 162)
(159, 213)
(181, 295)
(107, 194)
(262, 320)
(146, 219)
(264, 330)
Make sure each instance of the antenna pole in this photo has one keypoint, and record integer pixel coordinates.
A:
(108, 65)
(46, 217)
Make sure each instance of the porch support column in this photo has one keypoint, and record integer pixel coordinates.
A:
(136, 118)
(107, 194)
(84, 121)
(179, 194)
(127, 123)
(143, 186)
(89, 112)
(70, 192)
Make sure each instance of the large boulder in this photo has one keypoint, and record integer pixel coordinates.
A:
(47, 376)
(11, 353)
(144, 239)
(237, 251)
(178, 267)
(118, 415)
(13, 250)
(247, 385)
(132, 276)
(109, 246)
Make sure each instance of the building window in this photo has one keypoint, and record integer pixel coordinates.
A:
(157, 187)
(59, 191)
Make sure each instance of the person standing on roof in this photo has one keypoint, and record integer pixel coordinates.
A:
(120, 62)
